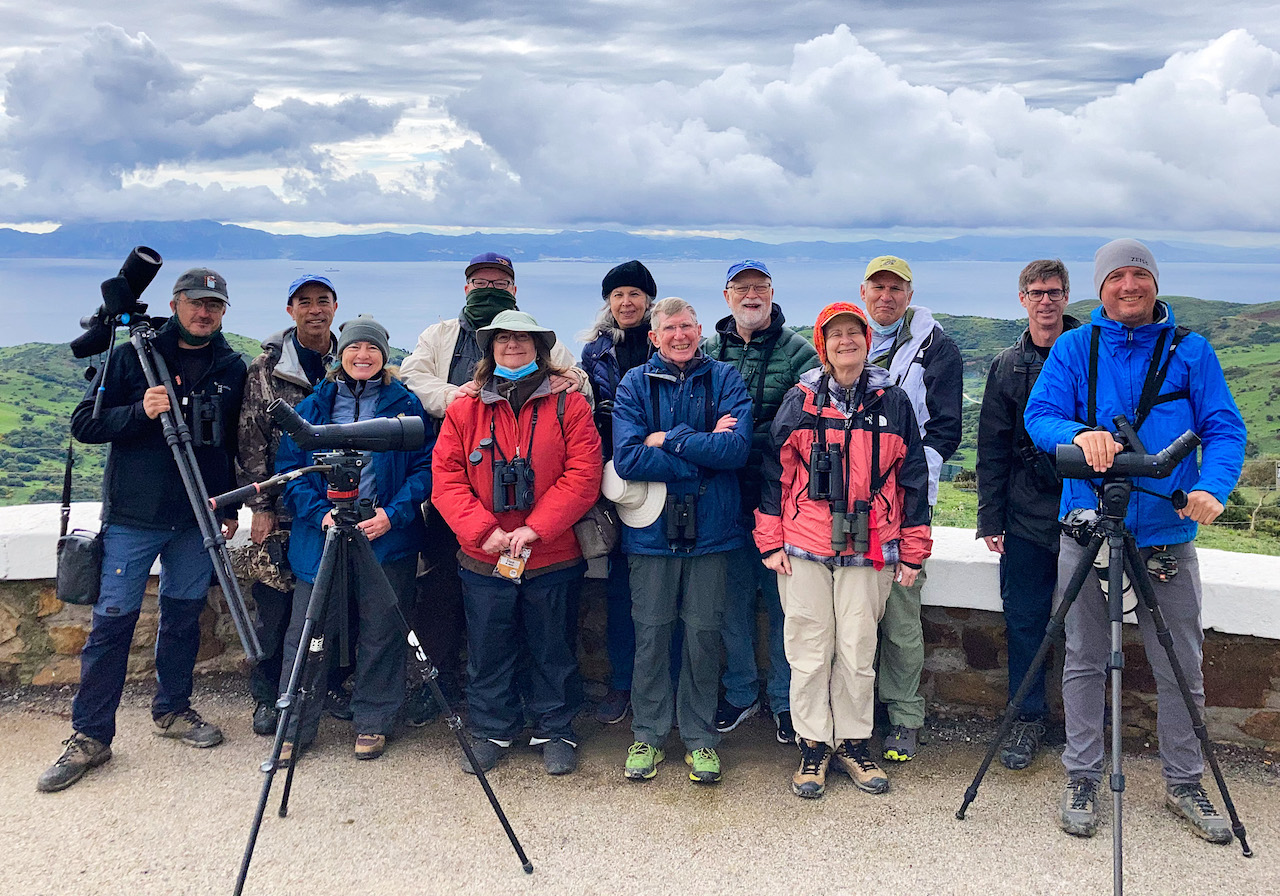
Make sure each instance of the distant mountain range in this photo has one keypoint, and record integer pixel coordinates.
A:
(211, 240)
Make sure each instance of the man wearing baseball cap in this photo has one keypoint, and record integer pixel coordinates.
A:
(770, 356)
(1132, 348)
(925, 363)
(146, 514)
(292, 362)
(439, 370)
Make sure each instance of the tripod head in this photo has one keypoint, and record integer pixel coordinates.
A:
(342, 471)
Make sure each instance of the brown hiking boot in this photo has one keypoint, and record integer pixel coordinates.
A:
(854, 759)
(188, 727)
(81, 754)
(1192, 804)
(370, 746)
(810, 779)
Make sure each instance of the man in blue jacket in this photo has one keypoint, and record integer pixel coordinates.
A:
(1165, 380)
(684, 420)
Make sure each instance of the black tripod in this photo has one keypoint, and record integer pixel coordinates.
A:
(1091, 530)
(347, 556)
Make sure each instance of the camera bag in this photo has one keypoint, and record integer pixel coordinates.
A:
(79, 575)
(597, 531)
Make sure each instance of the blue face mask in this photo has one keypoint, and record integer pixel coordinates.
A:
(509, 374)
(881, 330)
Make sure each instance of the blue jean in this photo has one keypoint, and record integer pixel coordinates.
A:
(1028, 576)
(620, 631)
(185, 569)
(746, 577)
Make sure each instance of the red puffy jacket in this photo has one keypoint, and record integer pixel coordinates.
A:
(566, 462)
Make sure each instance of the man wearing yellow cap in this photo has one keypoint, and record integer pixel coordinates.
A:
(926, 364)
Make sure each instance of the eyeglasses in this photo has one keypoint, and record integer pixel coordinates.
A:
(1039, 295)
(518, 337)
(759, 289)
(484, 284)
(213, 306)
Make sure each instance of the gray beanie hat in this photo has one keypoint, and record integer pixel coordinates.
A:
(1122, 254)
(365, 329)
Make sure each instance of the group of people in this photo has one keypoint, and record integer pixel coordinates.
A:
(755, 467)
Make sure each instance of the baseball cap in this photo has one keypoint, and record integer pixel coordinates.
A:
(746, 265)
(202, 283)
(891, 263)
(311, 278)
(491, 260)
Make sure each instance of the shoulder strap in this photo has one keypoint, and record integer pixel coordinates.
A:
(66, 490)
(561, 398)
(820, 402)
(1156, 377)
(1091, 417)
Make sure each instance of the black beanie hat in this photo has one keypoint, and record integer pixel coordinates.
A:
(629, 273)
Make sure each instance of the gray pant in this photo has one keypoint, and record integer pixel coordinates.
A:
(1084, 673)
(662, 590)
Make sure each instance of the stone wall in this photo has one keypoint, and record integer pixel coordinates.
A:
(40, 641)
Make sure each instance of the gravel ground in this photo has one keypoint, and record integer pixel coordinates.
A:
(163, 818)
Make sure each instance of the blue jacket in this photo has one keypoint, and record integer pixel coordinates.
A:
(1058, 408)
(403, 482)
(691, 458)
(604, 370)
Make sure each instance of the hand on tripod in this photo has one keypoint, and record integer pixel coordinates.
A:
(155, 401)
(1201, 507)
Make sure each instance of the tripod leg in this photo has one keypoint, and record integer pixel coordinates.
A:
(366, 566)
(1052, 633)
(1115, 608)
(1142, 581)
(291, 701)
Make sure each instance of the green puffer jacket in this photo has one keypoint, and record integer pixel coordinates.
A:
(770, 365)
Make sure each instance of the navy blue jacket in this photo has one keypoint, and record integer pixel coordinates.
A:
(403, 482)
(604, 370)
(1194, 396)
(142, 486)
(692, 460)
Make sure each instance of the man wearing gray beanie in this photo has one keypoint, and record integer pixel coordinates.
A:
(1132, 349)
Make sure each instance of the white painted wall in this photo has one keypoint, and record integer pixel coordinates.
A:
(1241, 591)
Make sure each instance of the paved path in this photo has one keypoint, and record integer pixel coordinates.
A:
(165, 819)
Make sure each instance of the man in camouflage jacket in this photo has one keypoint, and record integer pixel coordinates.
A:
(291, 363)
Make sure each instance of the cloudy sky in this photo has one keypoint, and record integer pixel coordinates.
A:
(813, 119)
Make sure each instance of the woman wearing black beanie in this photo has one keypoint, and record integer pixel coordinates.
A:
(617, 342)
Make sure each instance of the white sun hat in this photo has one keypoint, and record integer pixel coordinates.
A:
(639, 503)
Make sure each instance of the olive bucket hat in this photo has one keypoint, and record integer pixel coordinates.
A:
(515, 322)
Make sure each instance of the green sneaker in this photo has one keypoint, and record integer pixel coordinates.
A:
(704, 766)
(642, 761)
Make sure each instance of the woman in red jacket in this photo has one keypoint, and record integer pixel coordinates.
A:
(844, 511)
(516, 464)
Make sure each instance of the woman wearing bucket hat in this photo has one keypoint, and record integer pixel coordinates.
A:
(396, 483)
(847, 465)
(515, 467)
(617, 342)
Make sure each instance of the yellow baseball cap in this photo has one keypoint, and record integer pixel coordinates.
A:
(891, 263)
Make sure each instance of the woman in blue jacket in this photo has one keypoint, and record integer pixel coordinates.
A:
(617, 342)
(395, 484)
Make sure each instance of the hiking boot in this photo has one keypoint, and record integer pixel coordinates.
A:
(810, 779)
(1079, 813)
(265, 718)
(188, 727)
(901, 743)
(1022, 744)
(704, 766)
(1191, 803)
(642, 761)
(370, 746)
(853, 757)
(486, 752)
(81, 754)
(786, 732)
(729, 716)
(559, 757)
(613, 708)
(337, 703)
(420, 707)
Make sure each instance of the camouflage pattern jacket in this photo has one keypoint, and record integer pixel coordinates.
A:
(276, 373)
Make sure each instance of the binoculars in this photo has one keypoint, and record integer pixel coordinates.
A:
(855, 525)
(512, 484)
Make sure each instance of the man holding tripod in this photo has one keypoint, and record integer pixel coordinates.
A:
(1133, 361)
(146, 513)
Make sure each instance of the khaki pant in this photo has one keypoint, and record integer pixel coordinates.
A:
(830, 633)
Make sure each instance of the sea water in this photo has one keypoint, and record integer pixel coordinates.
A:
(43, 299)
